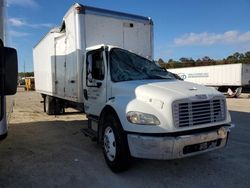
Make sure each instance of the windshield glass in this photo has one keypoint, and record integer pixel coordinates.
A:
(125, 66)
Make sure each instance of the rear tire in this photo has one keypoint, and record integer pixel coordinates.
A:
(115, 146)
(234, 92)
(59, 106)
(53, 106)
(49, 105)
(238, 91)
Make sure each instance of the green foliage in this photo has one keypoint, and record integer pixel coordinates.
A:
(206, 61)
(25, 74)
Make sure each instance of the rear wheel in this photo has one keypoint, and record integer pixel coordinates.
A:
(59, 106)
(234, 92)
(49, 105)
(115, 147)
(53, 106)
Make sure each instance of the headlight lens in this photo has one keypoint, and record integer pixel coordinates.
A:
(142, 118)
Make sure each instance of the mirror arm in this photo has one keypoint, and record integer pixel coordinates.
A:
(1, 79)
(1, 69)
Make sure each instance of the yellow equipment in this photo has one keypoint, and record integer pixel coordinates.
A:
(29, 84)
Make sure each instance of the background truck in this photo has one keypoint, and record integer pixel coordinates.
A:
(230, 78)
(8, 75)
(99, 62)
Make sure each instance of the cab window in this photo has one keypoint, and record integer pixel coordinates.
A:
(95, 66)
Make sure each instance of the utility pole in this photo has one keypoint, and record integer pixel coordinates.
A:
(24, 69)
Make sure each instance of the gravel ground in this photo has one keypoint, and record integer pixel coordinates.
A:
(50, 151)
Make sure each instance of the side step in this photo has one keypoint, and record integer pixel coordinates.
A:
(90, 133)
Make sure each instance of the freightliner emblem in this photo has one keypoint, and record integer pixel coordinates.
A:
(201, 96)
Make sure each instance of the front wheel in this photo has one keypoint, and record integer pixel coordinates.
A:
(115, 147)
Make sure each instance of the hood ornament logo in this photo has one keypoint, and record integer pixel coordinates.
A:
(201, 96)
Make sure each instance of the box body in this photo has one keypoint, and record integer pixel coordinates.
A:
(59, 56)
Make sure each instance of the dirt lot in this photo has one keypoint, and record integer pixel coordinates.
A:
(50, 151)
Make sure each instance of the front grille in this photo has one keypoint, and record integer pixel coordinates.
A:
(198, 112)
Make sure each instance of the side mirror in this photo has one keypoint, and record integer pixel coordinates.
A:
(8, 73)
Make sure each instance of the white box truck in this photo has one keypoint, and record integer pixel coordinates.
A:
(99, 61)
(229, 77)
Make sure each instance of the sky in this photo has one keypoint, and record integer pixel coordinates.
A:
(182, 28)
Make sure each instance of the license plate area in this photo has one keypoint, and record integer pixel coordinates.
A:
(201, 146)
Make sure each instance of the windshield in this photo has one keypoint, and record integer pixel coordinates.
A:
(125, 66)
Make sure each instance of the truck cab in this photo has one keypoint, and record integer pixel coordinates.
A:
(138, 109)
(101, 61)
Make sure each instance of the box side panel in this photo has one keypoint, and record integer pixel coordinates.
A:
(60, 59)
(43, 58)
(127, 34)
(101, 30)
(71, 73)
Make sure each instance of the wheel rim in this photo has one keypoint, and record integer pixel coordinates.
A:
(109, 143)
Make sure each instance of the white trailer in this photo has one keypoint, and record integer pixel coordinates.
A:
(229, 77)
(99, 60)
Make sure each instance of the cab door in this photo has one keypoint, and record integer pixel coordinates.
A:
(96, 80)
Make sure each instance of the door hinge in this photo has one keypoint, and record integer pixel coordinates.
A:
(65, 64)
(64, 89)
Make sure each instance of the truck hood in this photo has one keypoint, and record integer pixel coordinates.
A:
(162, 89)
(158, 97)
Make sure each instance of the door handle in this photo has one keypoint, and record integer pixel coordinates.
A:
(85, 94)
(98, 84)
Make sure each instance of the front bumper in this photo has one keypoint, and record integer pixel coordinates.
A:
(172, 147)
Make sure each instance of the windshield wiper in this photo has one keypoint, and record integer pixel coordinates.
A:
(155, 77)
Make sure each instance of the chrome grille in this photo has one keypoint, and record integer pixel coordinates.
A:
(198, 112)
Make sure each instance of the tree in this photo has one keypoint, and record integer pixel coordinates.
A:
(247, 54)
(236, 55)
(231, 59)
(189, 62)
(26, 74)
(161, 63)
(170, 64)
(206, 58)
(183, 59)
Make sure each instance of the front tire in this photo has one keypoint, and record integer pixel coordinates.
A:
(115, 147)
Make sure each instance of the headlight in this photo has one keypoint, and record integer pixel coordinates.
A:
(142, 118)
